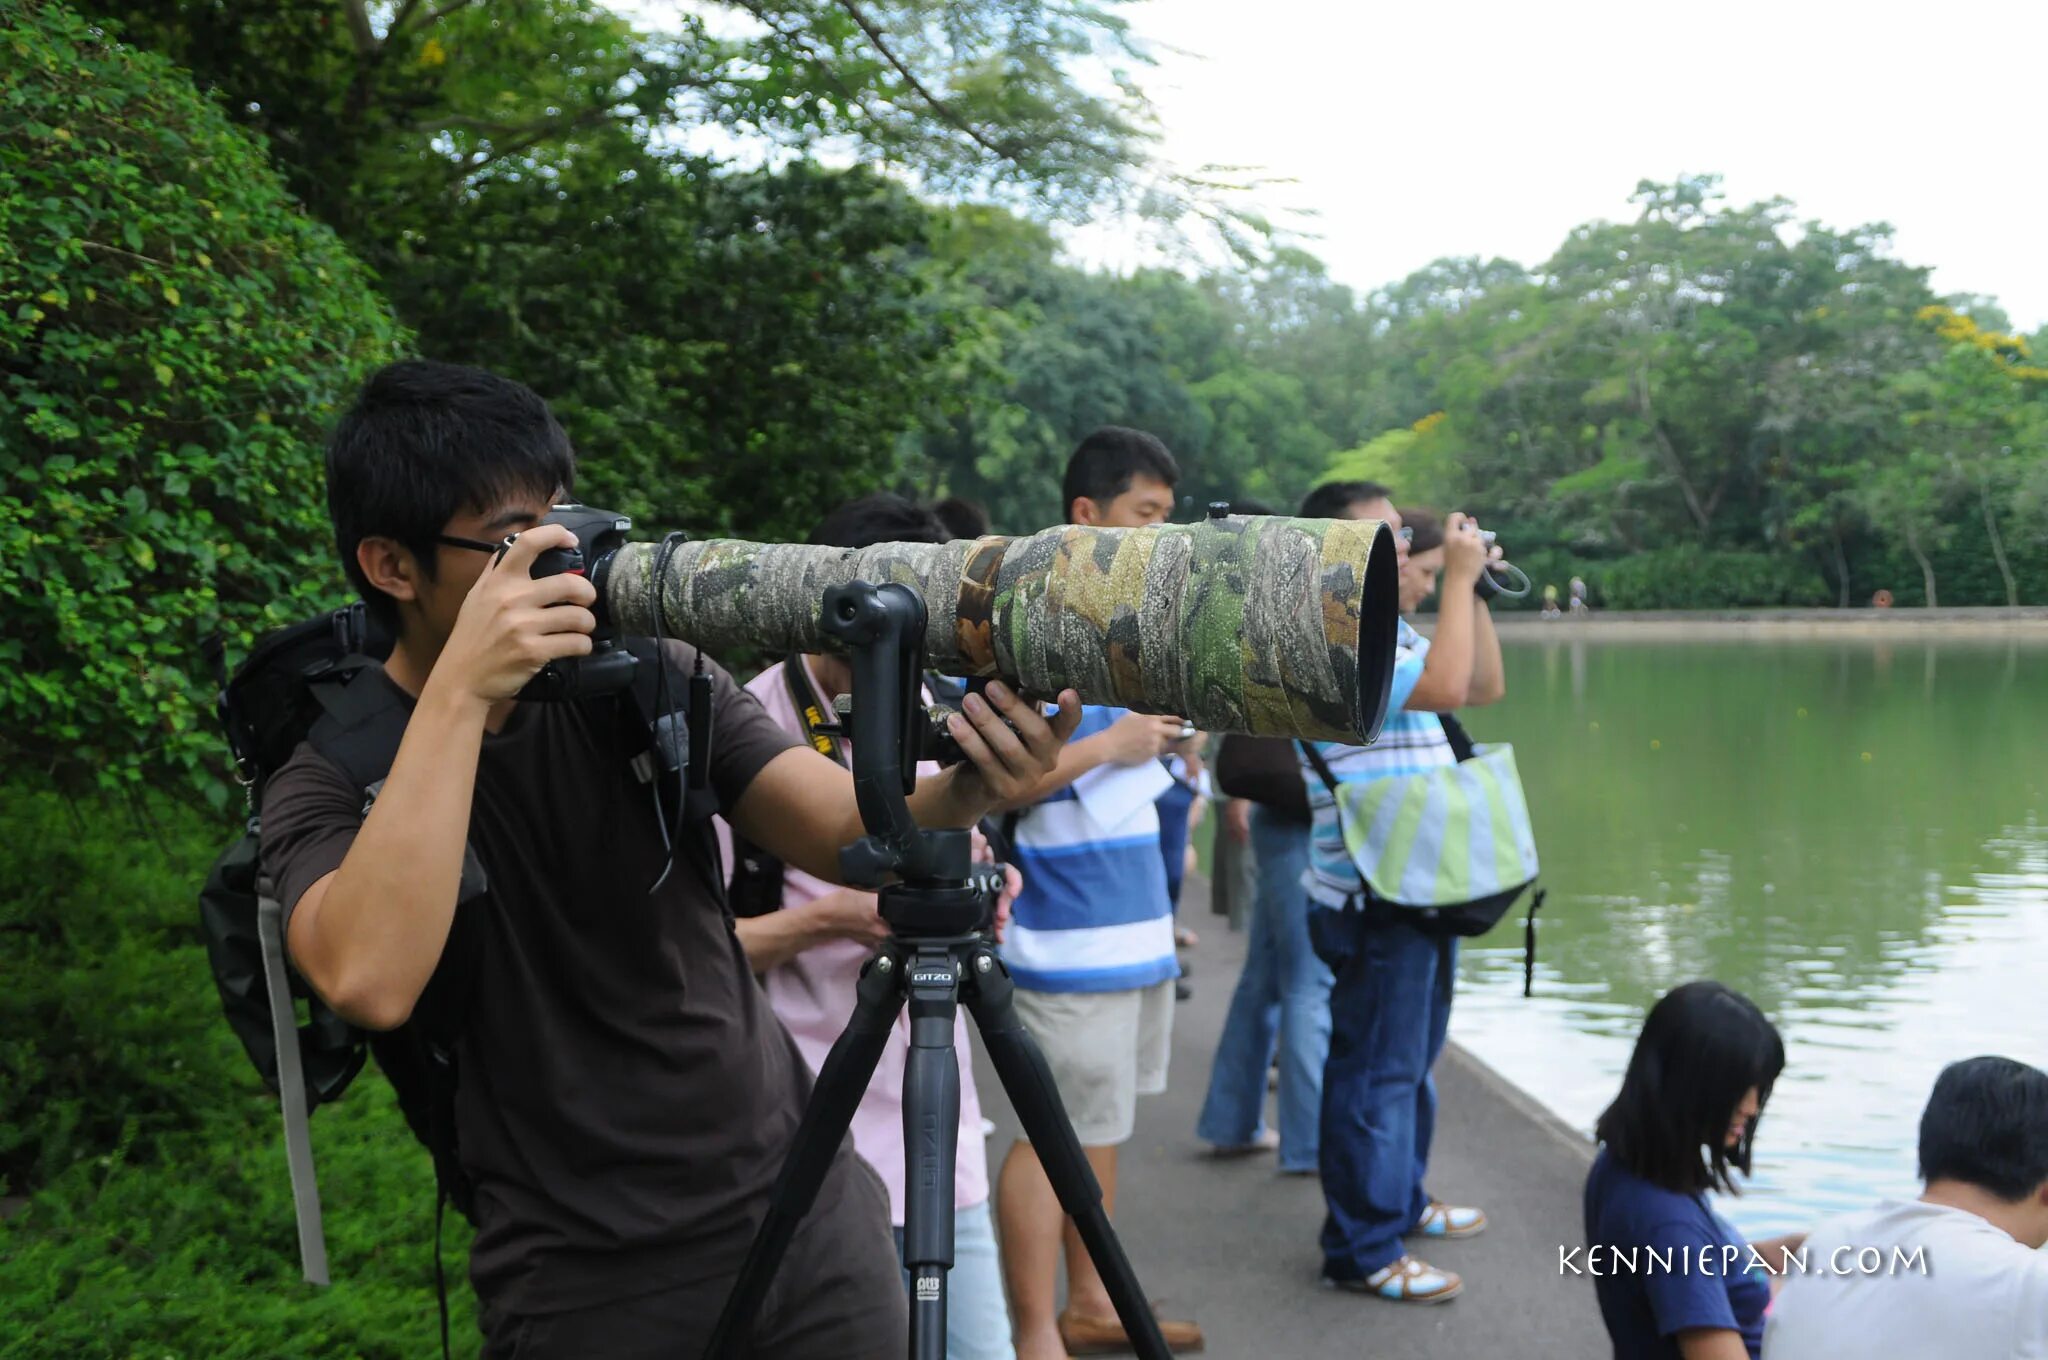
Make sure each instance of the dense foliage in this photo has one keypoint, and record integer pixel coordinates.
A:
(174, 335)
(692, 328)
(162, 1222)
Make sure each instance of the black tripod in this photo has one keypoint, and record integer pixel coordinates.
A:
(938, 957)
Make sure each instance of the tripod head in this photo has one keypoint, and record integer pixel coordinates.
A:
(938, 892)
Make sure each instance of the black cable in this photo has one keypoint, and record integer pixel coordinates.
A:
(663, 555)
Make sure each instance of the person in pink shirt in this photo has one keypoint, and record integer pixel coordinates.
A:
(808, 940)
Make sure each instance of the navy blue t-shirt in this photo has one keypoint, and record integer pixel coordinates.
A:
(1175, 805)
(1663, 1262)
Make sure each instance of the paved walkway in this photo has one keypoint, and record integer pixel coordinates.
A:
(1233, 1244)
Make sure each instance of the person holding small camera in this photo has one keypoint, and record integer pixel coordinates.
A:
(625, 1096)
(1092, 951)
(1390, 999)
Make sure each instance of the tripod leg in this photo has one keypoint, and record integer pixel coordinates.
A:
(931, 1129)
(841, 1082)
(1028, 1081)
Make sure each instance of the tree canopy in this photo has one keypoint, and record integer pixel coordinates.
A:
(1705, 404)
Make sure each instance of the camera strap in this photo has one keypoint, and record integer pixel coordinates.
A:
(824, 738)
(756, 887)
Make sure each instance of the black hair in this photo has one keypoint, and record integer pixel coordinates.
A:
(425, 442)
(1987, 1125)
(1251, 507)
(962, 518)
(1104, 464)
(1332, 499)
(1702, 1047)
(1429, 530)
(879, 517)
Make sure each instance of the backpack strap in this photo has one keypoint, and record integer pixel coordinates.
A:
(291, 1087)
(361, 723)
(361, 720)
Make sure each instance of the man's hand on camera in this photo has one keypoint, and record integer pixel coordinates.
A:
(1009, 744)
(1138, 737)
(1464, 551)
(511, 625)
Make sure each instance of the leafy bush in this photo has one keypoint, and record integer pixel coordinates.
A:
(160, 1219)
(1965, 572)
(1689, 577)
(174, 336)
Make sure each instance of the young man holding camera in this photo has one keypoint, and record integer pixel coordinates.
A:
(625, 1096)
(1390, 1002)
(1091, 948)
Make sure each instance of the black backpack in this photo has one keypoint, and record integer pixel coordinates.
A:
(307, 683)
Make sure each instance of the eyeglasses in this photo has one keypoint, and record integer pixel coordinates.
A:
(1404, 533)
(473, 544)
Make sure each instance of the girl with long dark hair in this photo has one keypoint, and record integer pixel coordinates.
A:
(1675, 1281)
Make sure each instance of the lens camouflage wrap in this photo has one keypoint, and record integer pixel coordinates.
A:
(1262, 625)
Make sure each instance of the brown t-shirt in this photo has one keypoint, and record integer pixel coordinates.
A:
(625, 1093)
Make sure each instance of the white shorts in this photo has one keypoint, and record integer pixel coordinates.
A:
(1105, 1049)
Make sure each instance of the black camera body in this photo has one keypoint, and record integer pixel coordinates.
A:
(609, 667)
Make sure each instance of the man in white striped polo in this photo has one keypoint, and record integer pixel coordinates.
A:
(1090, 945)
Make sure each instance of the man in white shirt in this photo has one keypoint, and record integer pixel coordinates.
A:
(1958, 1273)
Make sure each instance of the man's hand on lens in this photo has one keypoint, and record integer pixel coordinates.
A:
(1464, 550)
(1010, 744)
(511, 625)
(1138, 737)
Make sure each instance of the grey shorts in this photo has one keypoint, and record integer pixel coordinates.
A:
(1105, 1049)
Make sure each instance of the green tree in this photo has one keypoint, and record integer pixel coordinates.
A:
(695, 330)
(1977, 411)
(174, 337)
(380, 111)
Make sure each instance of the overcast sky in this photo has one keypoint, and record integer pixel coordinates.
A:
(1478, 128)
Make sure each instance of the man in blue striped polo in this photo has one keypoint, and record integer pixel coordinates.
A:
(1390, 1002)
(1090, 945)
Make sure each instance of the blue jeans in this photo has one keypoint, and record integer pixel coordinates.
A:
(977, 1318)
(1390, 1011)
(1283, 994)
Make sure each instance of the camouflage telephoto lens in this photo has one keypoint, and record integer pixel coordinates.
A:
(1263, 625)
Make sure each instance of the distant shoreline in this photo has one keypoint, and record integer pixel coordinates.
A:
(2028, 623)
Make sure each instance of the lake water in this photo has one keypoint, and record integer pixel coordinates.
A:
(1854, 833)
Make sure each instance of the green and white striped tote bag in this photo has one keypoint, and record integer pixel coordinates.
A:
(1444, 837)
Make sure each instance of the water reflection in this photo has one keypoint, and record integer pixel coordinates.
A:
(1855, 834)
